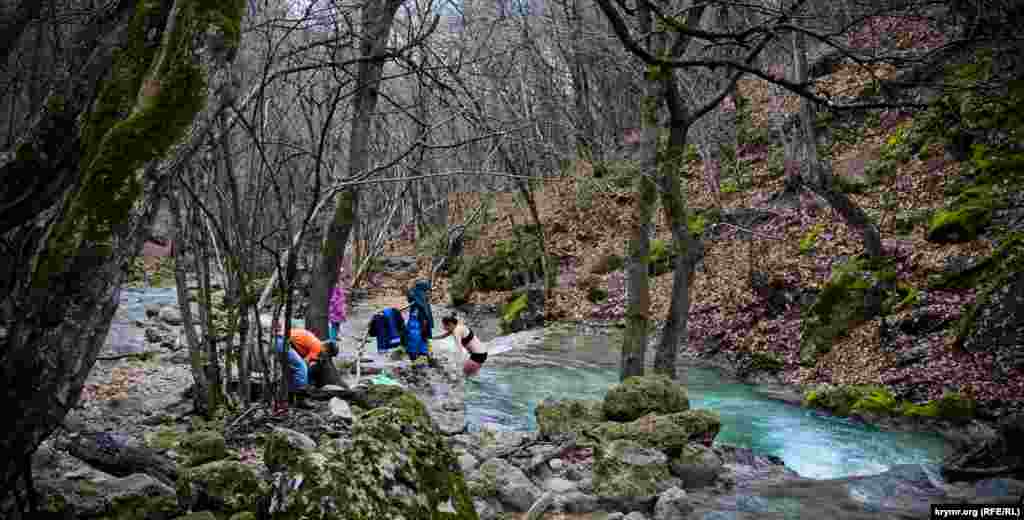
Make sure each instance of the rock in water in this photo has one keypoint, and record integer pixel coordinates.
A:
(640, 395)
(628, 475)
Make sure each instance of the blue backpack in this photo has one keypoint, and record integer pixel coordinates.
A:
(388, 328)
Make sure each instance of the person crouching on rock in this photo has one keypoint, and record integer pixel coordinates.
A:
(469, 341)
(303, 354)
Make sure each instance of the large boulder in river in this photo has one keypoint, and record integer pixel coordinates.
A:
(571, 416)
(397, 465)
(668, 433)
(628, 476)
(640, 395)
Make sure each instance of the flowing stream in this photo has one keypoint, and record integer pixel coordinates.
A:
(567, 362)
(571, 364)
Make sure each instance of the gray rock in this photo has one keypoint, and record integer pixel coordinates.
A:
(297, 440)
(514, 489)
(672, 505)
(560, 485)
(556, 464)
(152, 310)
(154, 336)
(170, 315)
(340, 409)
(615, 516)
(467, 462)
(576, 502)
(697, 466)
(635, 515)
(487, 509)
(540, 506)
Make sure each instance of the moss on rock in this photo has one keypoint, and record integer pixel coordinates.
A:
(204, 446)
(624, 468)
(398, 465)
(224, 485)
(952, 406)
(840, 307)
(571, 416)
(511, 311)
(966, 216)
(143, 508)
(640, 395)
(668, 433)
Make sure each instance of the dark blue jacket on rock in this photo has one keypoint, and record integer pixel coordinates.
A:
(388, 328)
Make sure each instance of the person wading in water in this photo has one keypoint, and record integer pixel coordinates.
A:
(469, 341)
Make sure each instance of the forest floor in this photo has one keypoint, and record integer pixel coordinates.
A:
(588, 219)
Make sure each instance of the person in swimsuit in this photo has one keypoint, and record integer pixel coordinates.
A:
(465, 337)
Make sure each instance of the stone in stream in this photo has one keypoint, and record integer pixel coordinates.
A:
(640, 395)
(697, 466)
(498, 478)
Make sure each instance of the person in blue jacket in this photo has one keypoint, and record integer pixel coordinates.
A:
(420, 325)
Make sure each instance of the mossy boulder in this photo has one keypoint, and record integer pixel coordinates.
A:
(524, 310)
(843, 303)
(669, 433)
(204, 446)
(696, 465)
(952, 406)
(965, 217)
(143, 508)
(245, 515)
(283, 447)
(571, 416)
(625, 469)
(766, 362)
(638, 396)
(225, 486)
(201, 515)
(397, 465)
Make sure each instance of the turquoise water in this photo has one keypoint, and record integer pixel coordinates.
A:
(568, 366)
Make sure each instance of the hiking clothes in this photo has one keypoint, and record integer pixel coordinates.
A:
(297, 368)
(306, 344)
(479, 358)
(416, 333)
(336, 312)
(469, 341)
(388, 328)
(420, 301)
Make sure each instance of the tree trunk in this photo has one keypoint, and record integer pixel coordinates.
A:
(377, 19)
(121, 456)
(688, 249)
(638, 304)
(817, 176)
(61, 286)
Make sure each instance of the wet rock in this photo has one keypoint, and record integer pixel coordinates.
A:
(638, 396)
(627, 475)
(571, 416)
(697, 466)
(673, 504)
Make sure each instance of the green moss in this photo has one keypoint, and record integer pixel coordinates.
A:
(951, 406)
(842, 399)
(224, 485)
(136, 507)
(966, 217)
(204, 446)
(245, 515)
(640, 395)
(597, 294)
(766, 362)
(841, 305)
(660, 259)
(513, 309)
(570, 416)
(809, 240)
(164, 438)
(614, 477)
(878, 401)
(668, 433)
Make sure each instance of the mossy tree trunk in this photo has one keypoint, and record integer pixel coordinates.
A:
(377, 19)
(76, 203)
(638, 303)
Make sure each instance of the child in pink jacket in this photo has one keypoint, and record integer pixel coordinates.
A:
(336, 312)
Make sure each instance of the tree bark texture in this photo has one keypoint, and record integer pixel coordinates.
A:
(377, 18)
(78, 195)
